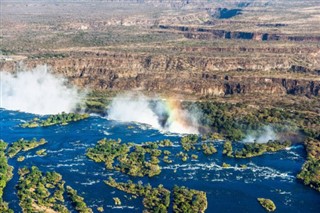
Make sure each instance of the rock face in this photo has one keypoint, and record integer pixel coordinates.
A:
(207, 33)
(198, 76)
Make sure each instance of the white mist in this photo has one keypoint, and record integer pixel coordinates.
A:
(37, 91)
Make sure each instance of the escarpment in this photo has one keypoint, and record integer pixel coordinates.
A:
(191, 75)
(208, 33)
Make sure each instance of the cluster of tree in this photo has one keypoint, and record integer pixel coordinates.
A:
(5, 176)
(41, 152)
(310, 173)
(44, 192)
(189, 200)
(157, 199)
(154, 199)
(48, 55)
(78, 201)
(235, 120)
(133, 159)
(41, 192)
(208, 148)
(188, 142)
(63, 119)
(227, 149)
(255, 149)
(24, 145)
(184, 156)
(191, 142)
(267, 204)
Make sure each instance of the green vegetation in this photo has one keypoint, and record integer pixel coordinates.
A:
(189, 200)
(39, 192)
(225, 165)
(24, 145)
(20, 158)
(255, 149)
(5, 176)
(77, 201)
(189, 142)
(267, 204)
(130, 159)
(184, 156)
(154, 199)
(117, 201)
(48, 55)
(41, 152)
(310, 173)
(62, 119)
(234, 121)
(227, 149)
(208, 148)
(195, 157)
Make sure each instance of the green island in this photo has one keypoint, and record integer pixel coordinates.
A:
(267, 204)
(62, 119)
(21, 158)
(189, 200)
(41, 152)
(154, 199)
(44, 192)
(310, 173)
(77, 201)
(24, 145)
(157, 199)
(208, 148)
(189, 142)
(132, 159)
(256, 149)
(5, 176)
(39, 192)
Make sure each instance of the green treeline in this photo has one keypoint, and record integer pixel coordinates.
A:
(5, 176)
(310, 173)
(62, 119)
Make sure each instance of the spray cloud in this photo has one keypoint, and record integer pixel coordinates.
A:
(263, 136)
(165, 115)
(37, 91)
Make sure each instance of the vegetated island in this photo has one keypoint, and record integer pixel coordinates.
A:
(24, 145)
(129, 158)
(154, 199)
(250, 150)
(310, 173)
(77, 201)
(267, 204)
(62, 119)
(5, 176)
(191, 142)
(44, 192)
(157, 199)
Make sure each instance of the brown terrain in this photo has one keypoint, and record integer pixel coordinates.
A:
(246, 49)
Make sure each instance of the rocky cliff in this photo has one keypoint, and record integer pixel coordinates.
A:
(200, 76)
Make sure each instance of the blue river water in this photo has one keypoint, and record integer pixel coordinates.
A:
(228, 190)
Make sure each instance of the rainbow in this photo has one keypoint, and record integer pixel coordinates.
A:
(179, 120)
